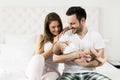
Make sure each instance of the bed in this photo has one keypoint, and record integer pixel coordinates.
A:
(107, 69)
(19, 27)
(110, 71)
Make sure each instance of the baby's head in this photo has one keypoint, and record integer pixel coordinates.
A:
(59, 47)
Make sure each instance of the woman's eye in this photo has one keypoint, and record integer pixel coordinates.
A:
(53, 27)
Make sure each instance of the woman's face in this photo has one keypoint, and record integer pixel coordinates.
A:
(54, 27)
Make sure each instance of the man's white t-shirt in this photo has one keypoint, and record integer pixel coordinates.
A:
(70, 48)
(91, 39)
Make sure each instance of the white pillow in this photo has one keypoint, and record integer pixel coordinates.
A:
(15, 57)
(19, 39)
(106, 67)
(109, 70)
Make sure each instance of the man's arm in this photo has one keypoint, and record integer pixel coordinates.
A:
(98, 56)
(66, 57)
(93, 63)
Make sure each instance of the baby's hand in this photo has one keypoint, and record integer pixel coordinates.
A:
(87, 51)
(88, 57)
(94, 52)
(102, 60)
(67, 42)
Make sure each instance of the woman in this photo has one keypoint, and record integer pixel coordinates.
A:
(41, 67)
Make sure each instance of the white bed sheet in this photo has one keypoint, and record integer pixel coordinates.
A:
(13, 67)
(107, 70)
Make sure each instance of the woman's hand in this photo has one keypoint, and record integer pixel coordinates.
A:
(55, 39)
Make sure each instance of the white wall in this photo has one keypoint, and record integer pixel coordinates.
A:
(109, 17)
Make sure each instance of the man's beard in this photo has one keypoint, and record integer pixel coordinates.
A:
(79, 29)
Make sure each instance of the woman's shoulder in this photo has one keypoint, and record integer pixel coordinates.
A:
(40, 36)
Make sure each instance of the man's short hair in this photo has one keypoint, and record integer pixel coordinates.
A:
(78, 11)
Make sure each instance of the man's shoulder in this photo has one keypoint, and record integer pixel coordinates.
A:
(94, 33)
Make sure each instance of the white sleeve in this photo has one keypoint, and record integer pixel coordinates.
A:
(98, 41)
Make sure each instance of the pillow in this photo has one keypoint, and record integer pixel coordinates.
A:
(1, 72)
(15, 57)
(12, 76)
(109, 70)
(105, 67)
(19, 39)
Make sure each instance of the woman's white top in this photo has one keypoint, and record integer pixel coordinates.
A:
(49, 64)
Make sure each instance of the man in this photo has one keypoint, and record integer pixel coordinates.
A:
(82, 38)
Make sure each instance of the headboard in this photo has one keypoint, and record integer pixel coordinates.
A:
(30, 20)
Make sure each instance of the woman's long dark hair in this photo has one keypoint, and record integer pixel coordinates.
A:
(48, 36)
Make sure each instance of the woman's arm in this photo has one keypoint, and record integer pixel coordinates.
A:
(47, 53)
(40, 50)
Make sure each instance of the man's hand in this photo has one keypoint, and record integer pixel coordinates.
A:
(87, 51)
(94, 52)
(84, 63)
(81, 62)
(82, 54)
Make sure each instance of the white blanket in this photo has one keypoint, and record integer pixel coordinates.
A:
(107, 69)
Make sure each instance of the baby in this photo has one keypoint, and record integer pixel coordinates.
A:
(68, 47)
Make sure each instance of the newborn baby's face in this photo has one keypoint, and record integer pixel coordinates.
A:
(63, 45)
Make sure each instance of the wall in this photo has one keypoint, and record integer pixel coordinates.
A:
(109, 17)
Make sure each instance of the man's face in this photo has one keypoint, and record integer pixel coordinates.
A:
(74, 23)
